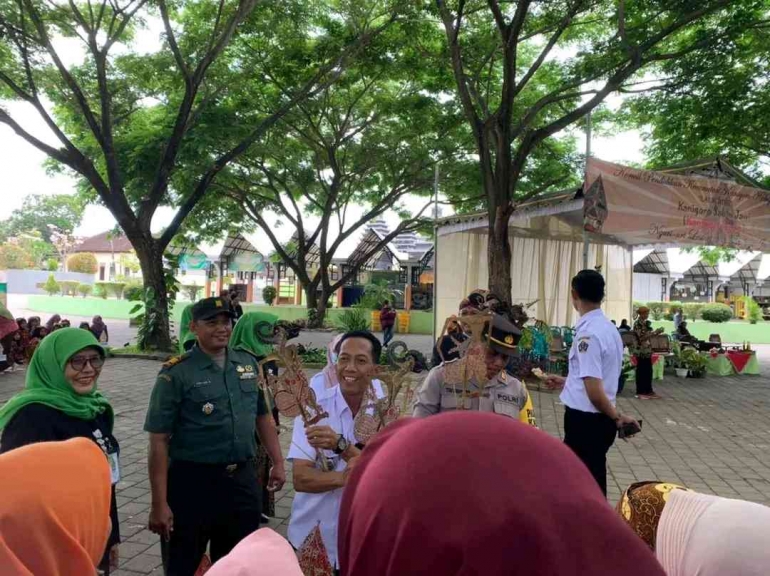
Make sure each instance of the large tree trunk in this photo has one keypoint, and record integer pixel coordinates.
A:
(156, 330)
(317, 304)
(499, 255)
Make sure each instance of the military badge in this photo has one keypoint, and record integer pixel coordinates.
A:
(239, 368)
(583, 346)
(208, 408)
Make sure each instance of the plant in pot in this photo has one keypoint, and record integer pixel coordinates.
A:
(694, 363)
(680, 366)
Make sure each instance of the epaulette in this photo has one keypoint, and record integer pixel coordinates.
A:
(174, 360)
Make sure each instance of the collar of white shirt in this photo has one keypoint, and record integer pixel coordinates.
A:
(587, 317)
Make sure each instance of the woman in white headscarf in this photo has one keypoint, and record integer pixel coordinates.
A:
(695, 534)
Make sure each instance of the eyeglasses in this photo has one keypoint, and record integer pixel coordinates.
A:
(78, 363)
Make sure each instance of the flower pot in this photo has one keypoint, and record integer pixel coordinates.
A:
(681, 372)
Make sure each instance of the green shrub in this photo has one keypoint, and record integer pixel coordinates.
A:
(100, 291)
(692, 310)
(133, 292)
(671, 308)
(657, 309)
(717, 313)
(112, 289)
(753, 310)
(84, 289)
(51, 286)
(69, 287)
(353, 319)
(52, 264)
(269, 294)
(84, 262)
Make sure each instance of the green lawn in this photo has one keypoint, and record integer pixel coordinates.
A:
(734, 332)
(421, 322)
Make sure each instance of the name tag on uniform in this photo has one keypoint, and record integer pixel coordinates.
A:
(114, 460)
(247, 376)
(506, 408)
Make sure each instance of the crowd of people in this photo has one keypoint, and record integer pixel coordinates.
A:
(462, 487)
(20, 337)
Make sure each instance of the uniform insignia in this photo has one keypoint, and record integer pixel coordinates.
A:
(239, 368)
(208, 408)
(218, 303)
(174, 360)
(509, 339)
(165, 377)
(583, 346)
(248, 368)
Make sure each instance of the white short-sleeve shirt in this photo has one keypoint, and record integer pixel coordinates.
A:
(309, 510)
(597, 352)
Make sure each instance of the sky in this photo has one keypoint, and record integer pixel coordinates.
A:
(22, 171)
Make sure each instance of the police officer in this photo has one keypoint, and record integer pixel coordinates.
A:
(591, 420)
(500, 393)
(203, 413)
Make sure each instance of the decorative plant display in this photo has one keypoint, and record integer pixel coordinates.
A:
(694, 362)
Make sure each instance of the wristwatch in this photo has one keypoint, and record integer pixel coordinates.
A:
(342, 444)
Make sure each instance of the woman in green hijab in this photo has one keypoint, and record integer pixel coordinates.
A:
(246, 337)
(60, 401)
(186, 337)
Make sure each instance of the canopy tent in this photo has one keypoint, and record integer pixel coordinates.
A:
(547, 251)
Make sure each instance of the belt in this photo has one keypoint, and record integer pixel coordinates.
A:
(230, 468)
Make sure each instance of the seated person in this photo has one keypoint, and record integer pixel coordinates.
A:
(624, 326)
(683, 334)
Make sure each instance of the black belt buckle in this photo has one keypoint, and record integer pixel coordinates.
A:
(231, 468)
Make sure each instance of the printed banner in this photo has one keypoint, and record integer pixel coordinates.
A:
(247, 262)
(641, 207)
(194, 261)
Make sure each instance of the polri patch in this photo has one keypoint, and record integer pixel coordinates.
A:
(583, 346)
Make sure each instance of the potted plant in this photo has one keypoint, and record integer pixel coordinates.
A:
(694, 363)
(678, 361)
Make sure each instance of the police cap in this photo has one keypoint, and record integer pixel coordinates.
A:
(503, 335)
(210, 307)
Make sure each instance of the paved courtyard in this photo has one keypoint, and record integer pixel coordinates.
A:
(712, 435)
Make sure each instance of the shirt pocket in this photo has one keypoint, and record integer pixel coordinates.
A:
(449, 399)
(506, 409)
(207, 392)
(249, 393)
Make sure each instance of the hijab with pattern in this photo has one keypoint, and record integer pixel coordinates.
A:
(247, 330)
(262, 553)
(330, 370)
(55, 508)
(474, 493)
(46, 383)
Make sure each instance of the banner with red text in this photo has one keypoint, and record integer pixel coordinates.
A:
(641, 207)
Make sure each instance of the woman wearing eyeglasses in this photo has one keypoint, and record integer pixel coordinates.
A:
(60, 401)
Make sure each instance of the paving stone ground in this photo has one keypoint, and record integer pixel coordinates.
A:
(712, 435)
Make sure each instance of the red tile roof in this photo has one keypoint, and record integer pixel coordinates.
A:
(101, 243)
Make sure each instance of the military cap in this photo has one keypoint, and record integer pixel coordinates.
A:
(503, 336)
(210, 307)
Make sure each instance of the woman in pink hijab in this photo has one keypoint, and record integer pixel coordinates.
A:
(262, 553)
(466, 494)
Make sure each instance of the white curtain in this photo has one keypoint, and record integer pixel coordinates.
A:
(541, 269)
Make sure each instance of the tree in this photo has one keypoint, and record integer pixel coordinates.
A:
(365, 143)
(140, 128)
(710, 103)
(42, 213)
(51, 286)
(526, 71)
(14, 257)
(83, 262)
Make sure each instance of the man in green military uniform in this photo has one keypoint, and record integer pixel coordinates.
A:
(203, 413)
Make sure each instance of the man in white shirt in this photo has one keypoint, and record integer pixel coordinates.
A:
(319, 492)
(591, 420)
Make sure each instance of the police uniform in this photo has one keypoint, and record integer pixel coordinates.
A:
(597, 352)
(503, 394)
(210, 413)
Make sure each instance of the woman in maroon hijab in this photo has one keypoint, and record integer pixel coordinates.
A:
(467, 494)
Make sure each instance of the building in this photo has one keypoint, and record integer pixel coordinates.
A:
(114, 254)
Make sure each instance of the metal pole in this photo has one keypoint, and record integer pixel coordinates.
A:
(588, 155)
(435, 246)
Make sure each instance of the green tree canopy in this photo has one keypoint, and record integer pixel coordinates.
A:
(40, 213)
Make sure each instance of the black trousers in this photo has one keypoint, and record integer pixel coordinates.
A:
(210, 505)
(590, 436)
(644, 376)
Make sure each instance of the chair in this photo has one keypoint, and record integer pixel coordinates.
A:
(629, 340)
(715, 339)
(661, 344)
(557, 356)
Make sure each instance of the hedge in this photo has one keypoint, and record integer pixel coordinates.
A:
(69, 287)
(717, 313)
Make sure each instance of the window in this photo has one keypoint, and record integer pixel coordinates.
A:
(102, 270)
